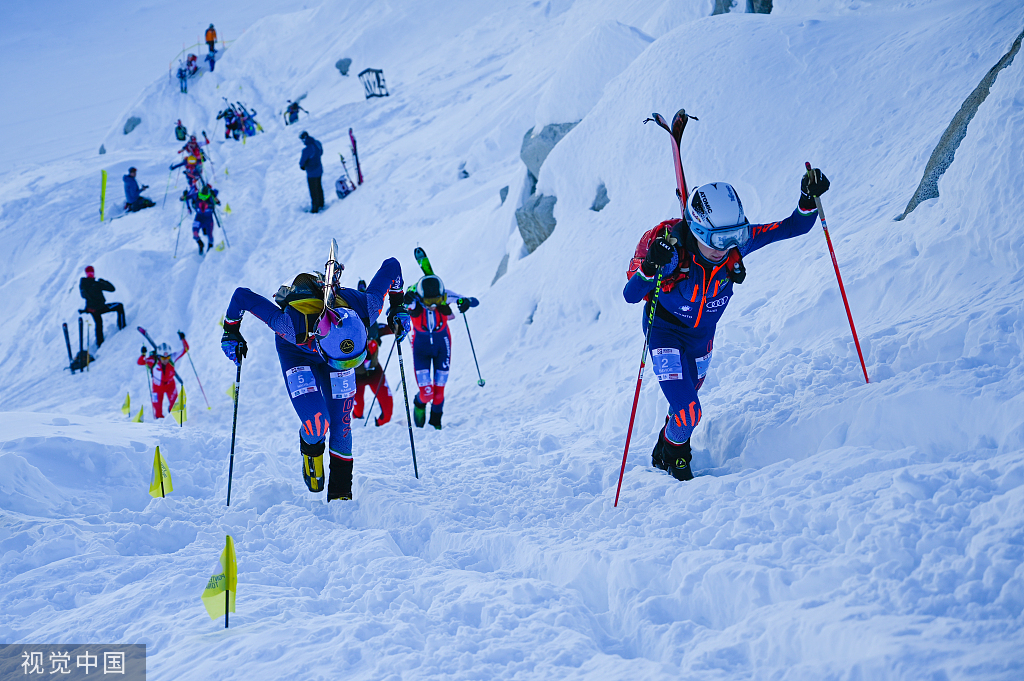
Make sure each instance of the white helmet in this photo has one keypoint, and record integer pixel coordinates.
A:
(715, 216)
(163, 350)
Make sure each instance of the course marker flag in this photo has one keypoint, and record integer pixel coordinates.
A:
(126, 408)
(225, 582)
(178, 410)
(138, 417)
(161, 484)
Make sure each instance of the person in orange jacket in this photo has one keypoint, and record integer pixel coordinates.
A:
(160, 365)
(211, 37)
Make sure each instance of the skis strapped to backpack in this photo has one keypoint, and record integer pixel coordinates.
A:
(423, 260)
(355, 155)
(153, 343)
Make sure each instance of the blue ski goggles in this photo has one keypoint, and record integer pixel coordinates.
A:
(722, 238)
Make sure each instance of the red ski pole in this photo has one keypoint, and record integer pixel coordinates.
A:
(676, 130)
(839, 278)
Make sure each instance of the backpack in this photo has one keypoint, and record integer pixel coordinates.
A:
(181, 132)
(311, 305)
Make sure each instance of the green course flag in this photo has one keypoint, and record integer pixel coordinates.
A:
(103, 193)
(224, 582)
(161, 484)
(227, 206)
(126, 408)
(231, 392)
(138, 417)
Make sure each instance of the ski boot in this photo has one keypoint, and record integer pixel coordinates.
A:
(678, 458)
(419, 412)
(312, 465)
(340, 485)
(658, 455)
(209, 246)
(435, 419)
(200, 242)
(380, 421)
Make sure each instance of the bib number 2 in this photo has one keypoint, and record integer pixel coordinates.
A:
(668, 364)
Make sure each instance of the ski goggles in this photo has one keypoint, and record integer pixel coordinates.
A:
(336, 339)
(722, 238)
(435, 300)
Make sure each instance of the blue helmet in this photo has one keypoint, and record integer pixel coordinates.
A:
(340, 338)
(715, 216)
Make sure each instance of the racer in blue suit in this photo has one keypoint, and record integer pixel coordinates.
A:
(700, 259)
(319, 350)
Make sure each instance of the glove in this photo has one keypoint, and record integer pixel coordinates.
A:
(409, 298)
(143, 350)
(232, 342)
(181, 335)
(813, 184)
(463, 304)
(144, 188)
(659, 255)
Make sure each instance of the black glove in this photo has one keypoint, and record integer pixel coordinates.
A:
(659, 255)
(143, 350)
(463, 304)
(144, 188)
(398, 317)
(181, 335)
(814, 183)
(409, 298)
(232, 342)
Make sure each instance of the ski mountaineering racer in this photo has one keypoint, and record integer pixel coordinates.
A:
(700, 257)
(160, 365)
(319, 346)
(428, 305)
(204, 202)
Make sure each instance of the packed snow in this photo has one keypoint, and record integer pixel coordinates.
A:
(835, 529)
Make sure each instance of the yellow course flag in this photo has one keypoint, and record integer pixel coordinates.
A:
(227, 206)
(138, 417)
(161, 485)
(225, 580)
(178, 410)
(231, 392)
(126, 408)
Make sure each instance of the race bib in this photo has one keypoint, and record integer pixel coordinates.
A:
(668, 364)
(702, 365)
(300, 381)
(343, 384)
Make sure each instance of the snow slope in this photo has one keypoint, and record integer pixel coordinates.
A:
(835, 529)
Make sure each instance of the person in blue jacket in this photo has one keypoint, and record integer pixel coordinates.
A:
(700, 258)
(319, 348)
(429, 307)
(133, 199)
(310, 162)
(202, 201)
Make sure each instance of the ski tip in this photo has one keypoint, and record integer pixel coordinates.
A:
(807, 164)
(334, 249)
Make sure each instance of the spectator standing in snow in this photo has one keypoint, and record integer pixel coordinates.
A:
(211, 39)
(700, 258)
(310, 162)
(92, 290)
(133, 200)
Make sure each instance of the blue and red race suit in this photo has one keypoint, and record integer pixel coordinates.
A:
(694, 294)
(321, 396)
(432, 344)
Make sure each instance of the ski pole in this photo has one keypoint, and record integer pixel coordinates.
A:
(167, 189)
(639, 382)
(149, 384)
(379, 384)
(480, 379)
(198, 381)
(178, 237)
(222, 230)
(234, 427)
(839, 278)
(408, 415)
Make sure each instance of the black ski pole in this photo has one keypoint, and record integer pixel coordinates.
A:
(178, 237)
(480, 379)
(167, 189)
(379, 384)
(408, 415)
(234, 428)
(215, 217)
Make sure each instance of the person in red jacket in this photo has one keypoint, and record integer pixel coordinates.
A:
(163, 377)
(371, 374)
